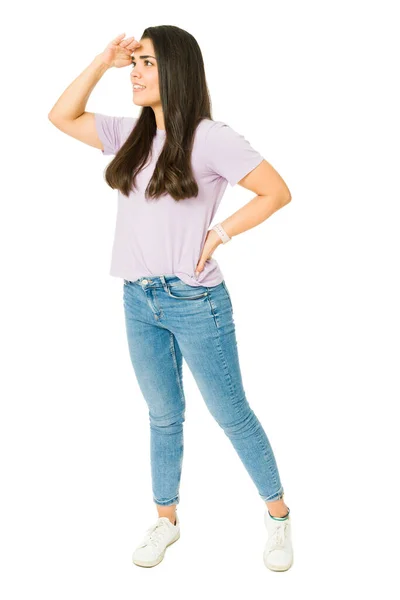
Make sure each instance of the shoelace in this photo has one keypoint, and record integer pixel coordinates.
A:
(154, 533)
(278, 536)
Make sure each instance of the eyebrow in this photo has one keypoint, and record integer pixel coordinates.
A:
(145, 56)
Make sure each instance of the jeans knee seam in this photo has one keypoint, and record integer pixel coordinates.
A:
(176, 369)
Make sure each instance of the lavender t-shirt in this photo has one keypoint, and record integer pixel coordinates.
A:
(162, 236)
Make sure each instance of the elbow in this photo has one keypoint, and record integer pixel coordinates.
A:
(285, 199)
(287, 194)
(51, 116)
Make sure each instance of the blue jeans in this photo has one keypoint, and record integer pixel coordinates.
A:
(165, 320)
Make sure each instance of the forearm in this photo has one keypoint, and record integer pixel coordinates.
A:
(73, 100)
(251, 214)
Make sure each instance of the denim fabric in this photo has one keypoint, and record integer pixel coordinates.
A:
(167, 319)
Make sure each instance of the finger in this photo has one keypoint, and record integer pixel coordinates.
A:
(127, 41)
(132, 44)
(119, 37)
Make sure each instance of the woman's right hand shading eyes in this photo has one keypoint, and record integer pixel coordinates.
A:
(118, 51)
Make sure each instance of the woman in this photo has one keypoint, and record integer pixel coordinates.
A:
(171, 167)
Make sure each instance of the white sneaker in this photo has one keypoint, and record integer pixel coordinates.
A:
(152, 549)
(278, 552)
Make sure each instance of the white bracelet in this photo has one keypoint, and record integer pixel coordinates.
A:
(222, 233)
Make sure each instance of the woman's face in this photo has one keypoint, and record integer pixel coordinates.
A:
(145, 72)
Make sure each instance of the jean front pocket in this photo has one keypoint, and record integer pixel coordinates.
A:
(184, 291)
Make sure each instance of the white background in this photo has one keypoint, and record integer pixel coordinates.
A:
(312, 86)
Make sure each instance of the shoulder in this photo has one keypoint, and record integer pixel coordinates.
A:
(113, 130)
(218, 133)
(226, 152)
(117, 124)
(215, 133)
(209, 125)
(127, 125)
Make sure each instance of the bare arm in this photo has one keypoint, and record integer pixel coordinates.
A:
(68, 114)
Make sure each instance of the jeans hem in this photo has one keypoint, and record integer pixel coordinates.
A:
(277, 496)
(167, 502)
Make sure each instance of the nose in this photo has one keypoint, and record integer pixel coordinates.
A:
(135, 69)
(136, 78)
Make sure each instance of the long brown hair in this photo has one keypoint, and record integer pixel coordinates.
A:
(185, 101)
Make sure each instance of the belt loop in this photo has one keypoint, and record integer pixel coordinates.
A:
(165, 285)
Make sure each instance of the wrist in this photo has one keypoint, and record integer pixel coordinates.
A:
(215, 239)
(221, 233)
(98, 61)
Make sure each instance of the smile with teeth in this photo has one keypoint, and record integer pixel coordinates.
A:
(138, 87)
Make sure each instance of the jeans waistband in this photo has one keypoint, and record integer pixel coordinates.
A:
(157, 281)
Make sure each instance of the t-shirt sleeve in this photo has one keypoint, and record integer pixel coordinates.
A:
(229, 154)
(113, 131)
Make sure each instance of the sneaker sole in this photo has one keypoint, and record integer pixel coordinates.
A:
(141, 563)
(274, 568)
